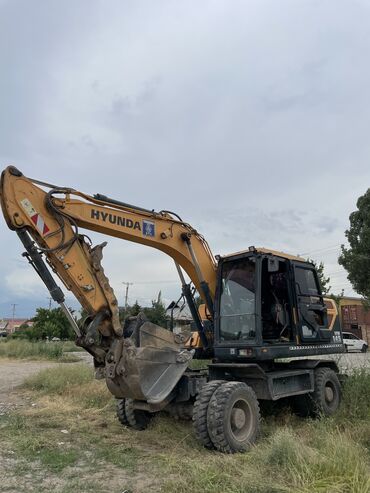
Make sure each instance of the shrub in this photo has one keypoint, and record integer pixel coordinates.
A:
(18, 348)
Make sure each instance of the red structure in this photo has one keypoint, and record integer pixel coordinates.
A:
(355, 318)
(10, 325)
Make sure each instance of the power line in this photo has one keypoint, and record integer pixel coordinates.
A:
(338, 275)
(156, 282)
(342, 271)
(333, 247)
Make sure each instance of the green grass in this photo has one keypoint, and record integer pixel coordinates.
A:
(22, 349)
(70, 347)
(293, 455)
(356, 390)
(199, 364)
(59, 380)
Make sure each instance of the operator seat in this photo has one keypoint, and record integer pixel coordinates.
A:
(279, 306)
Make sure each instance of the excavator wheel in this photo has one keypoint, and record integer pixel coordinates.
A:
(121, 412)
(200, 412)
(324, 400)
(136, 418)
(233, 417)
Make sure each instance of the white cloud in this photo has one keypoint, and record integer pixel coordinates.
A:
(250, 119)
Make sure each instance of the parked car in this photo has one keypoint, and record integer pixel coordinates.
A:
(354, 343)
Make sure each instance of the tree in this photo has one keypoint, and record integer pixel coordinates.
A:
(157, 312)
(51, 323)
(134, 310)
(356, 258)
(324, 281)
(337, 297)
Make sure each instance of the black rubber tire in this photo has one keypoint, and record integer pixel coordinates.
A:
(200, 412)
(121, 413)
(326, 378)
(229, 397)
(318, 403)
(364, 348)
(136, 418)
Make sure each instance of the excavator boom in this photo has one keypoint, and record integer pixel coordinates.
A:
(148, 364)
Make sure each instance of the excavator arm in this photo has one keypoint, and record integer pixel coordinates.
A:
(48, 222)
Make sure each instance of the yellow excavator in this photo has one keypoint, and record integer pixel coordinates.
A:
(261, 309)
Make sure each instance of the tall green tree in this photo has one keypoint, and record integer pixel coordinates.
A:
(134, 310)
(356, 258)
(324, 281)
(51, 323)
(157, 312)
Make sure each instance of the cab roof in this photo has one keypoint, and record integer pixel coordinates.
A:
(267, 251)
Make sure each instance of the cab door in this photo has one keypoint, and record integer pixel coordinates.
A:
(312, 313)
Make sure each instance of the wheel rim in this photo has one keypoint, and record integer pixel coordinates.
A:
(329, 394)
(241, 421)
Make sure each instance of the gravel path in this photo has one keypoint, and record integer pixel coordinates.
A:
(14, 372)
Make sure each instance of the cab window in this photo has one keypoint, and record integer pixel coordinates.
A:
(238, 300)
(306, 280)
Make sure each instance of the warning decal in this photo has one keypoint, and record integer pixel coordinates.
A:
(36, 218)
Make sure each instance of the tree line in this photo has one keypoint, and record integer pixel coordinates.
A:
(49, 323)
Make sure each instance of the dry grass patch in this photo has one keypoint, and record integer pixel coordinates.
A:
(22, 349)
(292, 456)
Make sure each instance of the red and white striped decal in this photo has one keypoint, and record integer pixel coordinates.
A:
(36, 218)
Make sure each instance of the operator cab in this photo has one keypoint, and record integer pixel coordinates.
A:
(270, 305)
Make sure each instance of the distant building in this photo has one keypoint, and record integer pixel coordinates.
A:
(179, 314)
(3, 332)
(10, 325)
(354, 317)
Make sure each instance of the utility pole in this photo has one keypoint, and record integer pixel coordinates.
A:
(127, 284)
(50, 300)
(14, 305)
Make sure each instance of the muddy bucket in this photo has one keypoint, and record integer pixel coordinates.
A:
(152, 361)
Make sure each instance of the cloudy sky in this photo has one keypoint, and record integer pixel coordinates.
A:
(249, 118)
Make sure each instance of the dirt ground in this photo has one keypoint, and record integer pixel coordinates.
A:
(14, 372)
(31, 476)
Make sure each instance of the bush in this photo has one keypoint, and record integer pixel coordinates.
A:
(60, 379)
(356, 396)
(18, 348)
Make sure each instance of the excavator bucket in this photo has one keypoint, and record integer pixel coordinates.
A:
(152, 362)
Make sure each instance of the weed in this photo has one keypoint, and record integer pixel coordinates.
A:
(32, 350)
(22, 349)
(356, 396)
(60, 379)
(119, 455)
(57, 459)
(293, 455)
